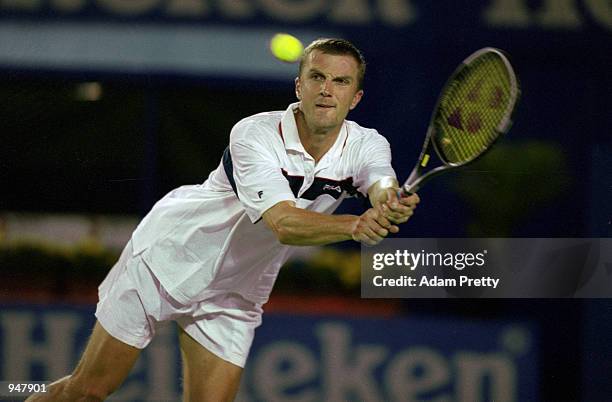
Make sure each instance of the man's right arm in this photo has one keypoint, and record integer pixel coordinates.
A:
(300, 227)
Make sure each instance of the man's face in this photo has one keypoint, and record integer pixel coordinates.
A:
(327, 88)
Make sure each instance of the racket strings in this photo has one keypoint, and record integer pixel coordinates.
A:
(482, 118)
(472, 108)
(471, 124)
(464, 118)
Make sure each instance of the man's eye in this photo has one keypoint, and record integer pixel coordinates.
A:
(342, 81)
(317, 77)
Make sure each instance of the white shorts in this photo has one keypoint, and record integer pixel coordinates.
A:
(133, 304)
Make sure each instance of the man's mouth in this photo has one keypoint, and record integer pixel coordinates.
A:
(325, 106)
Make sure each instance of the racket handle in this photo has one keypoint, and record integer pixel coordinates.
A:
(409, 187)
(401, 193)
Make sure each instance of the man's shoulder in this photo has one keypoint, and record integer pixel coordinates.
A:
(258, 127)
(264, 119)
(358, 133)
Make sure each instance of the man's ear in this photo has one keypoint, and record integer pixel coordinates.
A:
(356, 98)
(298, 88)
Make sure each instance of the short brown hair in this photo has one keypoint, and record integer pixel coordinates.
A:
(337, 47)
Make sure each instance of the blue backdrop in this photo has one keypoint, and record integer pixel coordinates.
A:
(561, 50)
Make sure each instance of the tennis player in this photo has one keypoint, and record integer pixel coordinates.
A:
(207, 255)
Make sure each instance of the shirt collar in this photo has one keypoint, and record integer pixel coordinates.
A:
(289, 131)
(291, 138)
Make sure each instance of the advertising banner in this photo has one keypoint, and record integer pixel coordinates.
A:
(299, 358)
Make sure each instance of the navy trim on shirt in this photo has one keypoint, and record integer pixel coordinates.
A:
(320, 185)
(295, 182)
(228, 166)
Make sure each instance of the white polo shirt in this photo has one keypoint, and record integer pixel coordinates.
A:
(202, 240)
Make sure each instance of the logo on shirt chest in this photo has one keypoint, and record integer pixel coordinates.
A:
(320, 186)
(330, 187)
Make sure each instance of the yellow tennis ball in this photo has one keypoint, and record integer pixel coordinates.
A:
(286, 47)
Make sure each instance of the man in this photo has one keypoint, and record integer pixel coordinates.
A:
(207, 256)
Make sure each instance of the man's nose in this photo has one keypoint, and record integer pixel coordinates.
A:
(326, 88)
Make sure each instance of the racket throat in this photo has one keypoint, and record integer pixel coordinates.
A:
(416, 179)
(412, 184)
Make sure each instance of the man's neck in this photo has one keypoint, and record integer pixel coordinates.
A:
(316, 143)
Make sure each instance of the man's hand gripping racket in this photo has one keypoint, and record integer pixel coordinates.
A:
(474, 109)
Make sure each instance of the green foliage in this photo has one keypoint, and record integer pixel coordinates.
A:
(38, 265)
(509, 184)
(328, 270)
(42, 265)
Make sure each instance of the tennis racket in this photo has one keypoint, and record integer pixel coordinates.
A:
(473, 110)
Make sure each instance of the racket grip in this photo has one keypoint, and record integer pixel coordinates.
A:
(401, 193)
(407, 190)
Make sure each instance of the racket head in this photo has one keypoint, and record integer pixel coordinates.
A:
(475, 107)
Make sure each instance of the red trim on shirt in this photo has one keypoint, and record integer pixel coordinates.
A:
(345, 139)
(280, 131)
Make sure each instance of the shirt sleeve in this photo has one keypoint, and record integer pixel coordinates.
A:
(257, 172)
(375, 162)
